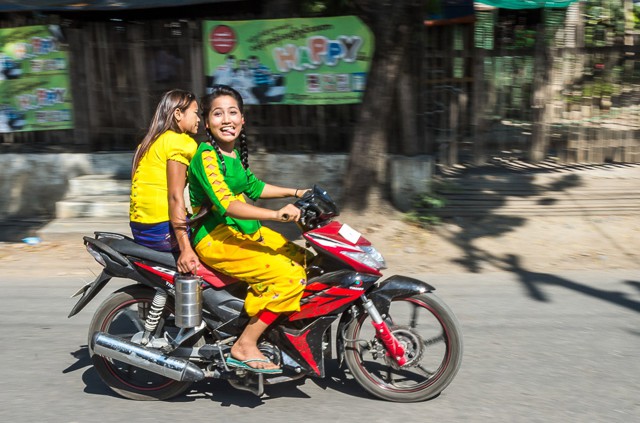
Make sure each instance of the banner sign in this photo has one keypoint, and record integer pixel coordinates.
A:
(290, 61)
(34, 80)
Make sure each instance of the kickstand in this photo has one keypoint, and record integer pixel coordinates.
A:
(252, 382)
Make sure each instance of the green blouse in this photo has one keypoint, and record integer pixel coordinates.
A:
(207, 184)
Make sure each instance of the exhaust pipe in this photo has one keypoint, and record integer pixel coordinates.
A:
(145, 358)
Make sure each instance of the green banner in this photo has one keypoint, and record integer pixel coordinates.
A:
(290, 61)
(527, 4)
(34, 80)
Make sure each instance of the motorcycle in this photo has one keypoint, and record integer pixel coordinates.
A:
(153, 339)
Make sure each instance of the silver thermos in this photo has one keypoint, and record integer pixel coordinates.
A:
(188, 301)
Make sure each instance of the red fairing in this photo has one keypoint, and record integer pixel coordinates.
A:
(332, 230)
(301, 344)
(215, 278)
(212, 277)
(313, 289)
(325, 302)
(166, 274)
(328, 238)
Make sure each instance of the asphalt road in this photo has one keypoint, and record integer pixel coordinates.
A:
(538, 348)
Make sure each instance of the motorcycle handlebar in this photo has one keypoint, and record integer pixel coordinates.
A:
(316, 208)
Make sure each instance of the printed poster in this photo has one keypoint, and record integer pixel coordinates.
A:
(290, 61)
(34, 80)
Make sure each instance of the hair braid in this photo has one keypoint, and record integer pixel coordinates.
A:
(213, 142)
(244, 150)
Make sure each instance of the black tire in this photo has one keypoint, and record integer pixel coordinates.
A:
(432, 338)
(122, 314)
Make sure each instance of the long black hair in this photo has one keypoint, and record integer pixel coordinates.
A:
(163, 120)
(206, 104)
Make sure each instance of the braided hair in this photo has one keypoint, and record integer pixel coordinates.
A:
(207, 101)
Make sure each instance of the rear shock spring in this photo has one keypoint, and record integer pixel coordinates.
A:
(154, 315)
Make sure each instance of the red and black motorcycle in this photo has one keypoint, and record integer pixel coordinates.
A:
(154, 338)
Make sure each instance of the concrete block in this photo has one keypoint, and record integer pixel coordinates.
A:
(410, 176)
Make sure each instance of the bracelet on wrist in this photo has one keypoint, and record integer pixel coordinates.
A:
(295, 194)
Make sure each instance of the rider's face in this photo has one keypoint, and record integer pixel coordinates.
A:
(225, 121)
(188, 119)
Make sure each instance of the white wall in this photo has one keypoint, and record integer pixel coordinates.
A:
(31, 184)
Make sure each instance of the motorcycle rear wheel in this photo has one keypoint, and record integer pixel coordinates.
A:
(123, 314)
(431, 336)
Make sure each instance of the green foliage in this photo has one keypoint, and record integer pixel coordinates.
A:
(528, 4)
(422, 210)
(636, 15)
(325, 7)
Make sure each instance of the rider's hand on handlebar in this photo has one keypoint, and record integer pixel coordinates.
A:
(288, 213)
(301, 192)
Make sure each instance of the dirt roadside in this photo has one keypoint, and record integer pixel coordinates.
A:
(539, 244)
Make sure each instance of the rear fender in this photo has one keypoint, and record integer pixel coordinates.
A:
(89, 291)
(116, 265)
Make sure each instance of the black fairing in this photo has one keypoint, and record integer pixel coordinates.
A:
(224, 311)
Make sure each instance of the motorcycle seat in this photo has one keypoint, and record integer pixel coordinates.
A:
(127, 246)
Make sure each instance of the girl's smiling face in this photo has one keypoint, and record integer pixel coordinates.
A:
(225, 120)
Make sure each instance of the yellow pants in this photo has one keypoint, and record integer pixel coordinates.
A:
(271, 266)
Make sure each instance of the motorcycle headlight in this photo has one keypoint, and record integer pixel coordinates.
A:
(369, 257)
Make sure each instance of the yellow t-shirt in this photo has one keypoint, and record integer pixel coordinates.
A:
(149, 194)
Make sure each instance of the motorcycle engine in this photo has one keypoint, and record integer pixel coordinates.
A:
(271, 352)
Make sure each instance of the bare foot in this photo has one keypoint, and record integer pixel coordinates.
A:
(243, 352)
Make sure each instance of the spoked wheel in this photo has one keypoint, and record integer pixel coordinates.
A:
(123, 314)
(430, 334)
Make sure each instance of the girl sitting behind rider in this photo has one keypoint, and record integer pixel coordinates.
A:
(231, 238)
(157, 211)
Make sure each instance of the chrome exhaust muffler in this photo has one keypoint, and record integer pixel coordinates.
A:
(145, 358)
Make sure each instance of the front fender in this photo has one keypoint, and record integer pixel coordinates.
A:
(396, 287)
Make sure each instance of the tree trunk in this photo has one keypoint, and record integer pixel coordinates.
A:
(539, 131)
(408, 108)
(392, 24)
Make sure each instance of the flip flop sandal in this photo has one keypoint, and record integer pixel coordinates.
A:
(245, 365)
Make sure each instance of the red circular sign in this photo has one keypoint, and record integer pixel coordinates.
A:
(222, 39)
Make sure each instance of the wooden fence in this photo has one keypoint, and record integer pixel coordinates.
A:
(119, 70)
(481, 99)
(559, 87)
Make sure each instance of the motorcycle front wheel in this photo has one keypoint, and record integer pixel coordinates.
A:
(431, 336)
(123, 314)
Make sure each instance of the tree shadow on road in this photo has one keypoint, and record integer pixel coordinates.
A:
(533, 281)
(488, 190)
(476, 199)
